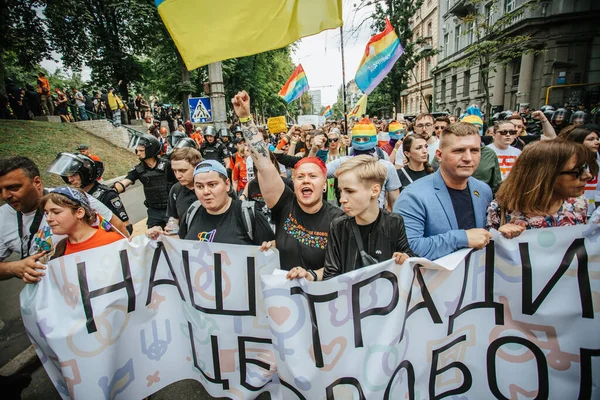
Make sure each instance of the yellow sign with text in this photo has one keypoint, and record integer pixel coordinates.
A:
(277, 124)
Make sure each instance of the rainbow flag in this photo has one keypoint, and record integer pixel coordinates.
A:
(381, 53)
(327, 113)
(103, 224)
(208, 31)
(295, 86)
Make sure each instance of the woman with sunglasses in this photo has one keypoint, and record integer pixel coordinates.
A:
(504, 135)
(541, 194)
(68, 212)
(588, 136)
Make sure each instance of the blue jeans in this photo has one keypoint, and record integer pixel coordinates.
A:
(82, 113)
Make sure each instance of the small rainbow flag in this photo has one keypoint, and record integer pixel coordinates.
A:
(295, 86)
(103, 224)
(327, 113)
(381, 53)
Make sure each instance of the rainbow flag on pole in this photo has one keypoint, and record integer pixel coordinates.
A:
(381, 53)
(327, 113)
(295, 86)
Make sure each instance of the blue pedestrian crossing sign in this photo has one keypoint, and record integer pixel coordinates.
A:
(200, 109)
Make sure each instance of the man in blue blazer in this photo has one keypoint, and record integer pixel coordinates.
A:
(445, 211)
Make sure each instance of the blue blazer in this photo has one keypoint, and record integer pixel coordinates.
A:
(429, 218)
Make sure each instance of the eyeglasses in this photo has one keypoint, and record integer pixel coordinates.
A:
(428, 125)
(333, 140)
(507, 133)
(578, 173)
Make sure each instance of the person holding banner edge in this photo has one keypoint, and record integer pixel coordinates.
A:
(301, 217)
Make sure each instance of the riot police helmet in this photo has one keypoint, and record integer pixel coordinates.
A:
(580, 118)
(151, 145)
(69, 164)
(186, 142)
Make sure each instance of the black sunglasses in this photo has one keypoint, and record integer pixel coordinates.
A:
(578, 173)
(333, 140)
(507, 133)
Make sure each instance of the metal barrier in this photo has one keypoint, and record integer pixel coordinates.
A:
(574, 97)
(133, 133)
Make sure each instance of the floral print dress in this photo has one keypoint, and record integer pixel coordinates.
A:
(572, 212)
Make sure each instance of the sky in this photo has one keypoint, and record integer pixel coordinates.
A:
(319, 55)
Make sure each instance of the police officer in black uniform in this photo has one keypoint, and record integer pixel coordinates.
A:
(157, 177)
(227, 139)
(211, 149)
(81, 171)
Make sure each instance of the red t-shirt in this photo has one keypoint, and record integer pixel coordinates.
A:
(100, 238)
(240, 174)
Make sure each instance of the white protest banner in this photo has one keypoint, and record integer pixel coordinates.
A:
(316, 120)
(126, 320)
(516, 320)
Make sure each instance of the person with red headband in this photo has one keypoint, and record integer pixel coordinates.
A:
(301, 217)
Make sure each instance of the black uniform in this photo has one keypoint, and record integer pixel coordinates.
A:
(157, 182)
(110, 198)
(180, 199)
(216, 151)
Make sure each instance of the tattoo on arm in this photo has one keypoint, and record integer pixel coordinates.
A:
(259, 148)
(250, 132)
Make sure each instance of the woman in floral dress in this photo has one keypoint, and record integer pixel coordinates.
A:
(544, 189)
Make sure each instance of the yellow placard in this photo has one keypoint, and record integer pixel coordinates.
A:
(277, 124)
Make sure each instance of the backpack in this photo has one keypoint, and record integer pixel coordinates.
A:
(247, 212)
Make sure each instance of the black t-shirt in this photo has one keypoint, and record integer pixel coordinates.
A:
(255, 194)
(414, 175)
(227, 227)
(463, 207)
(301, 238)
(180, 199)
(216, 151)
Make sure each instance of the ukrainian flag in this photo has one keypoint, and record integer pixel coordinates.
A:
(207, 31)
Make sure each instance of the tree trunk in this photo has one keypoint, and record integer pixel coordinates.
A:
(185, 79)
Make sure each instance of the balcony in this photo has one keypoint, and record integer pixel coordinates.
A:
(425, 45)
(461, 8)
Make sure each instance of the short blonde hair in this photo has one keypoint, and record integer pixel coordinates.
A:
(366, 168)
(459, 129)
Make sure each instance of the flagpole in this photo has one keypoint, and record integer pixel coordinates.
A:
(344, 81)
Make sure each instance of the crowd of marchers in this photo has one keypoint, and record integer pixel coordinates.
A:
(331, 199)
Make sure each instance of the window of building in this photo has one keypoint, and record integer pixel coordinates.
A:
(472, 32)
(446, 44)
(488, 15)
(417, 76)
(509, 6)
(516, 63)
(443, 90)
(466, 83)
(453, 87)
(480, 86)
(457, 38)
(429, 29)
(428, 67)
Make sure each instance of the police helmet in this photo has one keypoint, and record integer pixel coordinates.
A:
(68, 164)
(175, 137)
(186, 142)
(561, 116)
(151, 144)
(210, 131)
(580, 118)
(224, 132)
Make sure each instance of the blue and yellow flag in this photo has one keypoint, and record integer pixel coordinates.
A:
(210, 31)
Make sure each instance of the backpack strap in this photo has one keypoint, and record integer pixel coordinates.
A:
(191, 212)
(406, 175)
(60, 249)
(248, 214)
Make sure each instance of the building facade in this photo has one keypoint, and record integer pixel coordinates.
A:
(566, 37)
(315, 97)
(418, 97)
